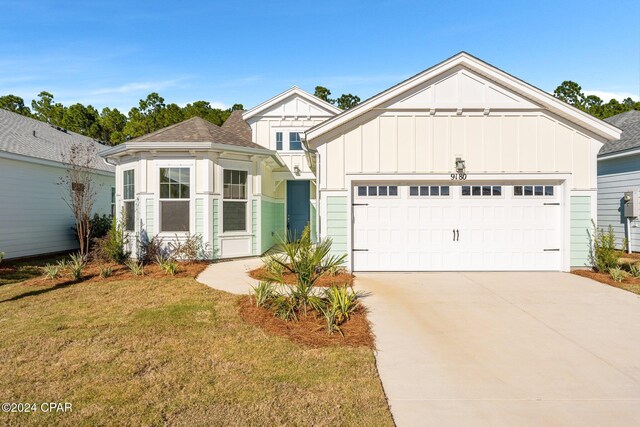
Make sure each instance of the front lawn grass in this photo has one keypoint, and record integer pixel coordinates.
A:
(156, 351)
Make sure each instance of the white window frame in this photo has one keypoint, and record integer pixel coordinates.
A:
(426, 184)
(286, 148)
(125, 200)
(239, 166)
(191, 199)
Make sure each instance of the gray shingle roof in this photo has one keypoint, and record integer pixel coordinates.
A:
(236, 124)
(33, 138)
(629, 122)
(196, 130)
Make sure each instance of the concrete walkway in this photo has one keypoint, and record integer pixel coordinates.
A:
(230, 276)
(505, 349)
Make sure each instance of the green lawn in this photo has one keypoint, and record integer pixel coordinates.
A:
(170, 351)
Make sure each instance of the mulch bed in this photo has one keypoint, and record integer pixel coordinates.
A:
(342, 279)
(310, 330)
(91, 273)
(631, 284)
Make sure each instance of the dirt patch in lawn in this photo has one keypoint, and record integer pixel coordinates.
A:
(310, 330)
(631, 284)
(327, 281)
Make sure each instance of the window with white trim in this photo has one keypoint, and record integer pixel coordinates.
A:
(234, 201)
(533, 190)
(113, 202)
(175, 194)
(128, 198)
(481, 190)
(279, 141)
(295, 143)
(429, 190)
(377, 190)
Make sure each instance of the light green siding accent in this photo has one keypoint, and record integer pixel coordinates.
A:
(215, 229)
(272, 226)
(199, 216)
(149, 223)
(337, 211)
(312, 214)
(580, 226)
(254, 227)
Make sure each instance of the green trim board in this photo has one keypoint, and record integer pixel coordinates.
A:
(272, 224)
(199, 228)
(580, 228)
(337, 217)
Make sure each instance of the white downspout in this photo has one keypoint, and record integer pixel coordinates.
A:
(628, 235)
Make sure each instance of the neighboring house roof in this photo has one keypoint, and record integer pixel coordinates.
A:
(196, 129)
(476, 65)
(236, 124)
(629, 122)
(331, 109)
(29, 137)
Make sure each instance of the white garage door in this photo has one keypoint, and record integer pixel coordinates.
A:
(414, 227)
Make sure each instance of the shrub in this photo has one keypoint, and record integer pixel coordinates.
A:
(106, 271)
(272, 266)
(167, 264)
(635, 270)
(100, 225)
(77, 263)
(136, 267)
(111, 248)
(264, 294)
(51, 271)
(151, 249)
(284, 307)
(190, 249)
(617, 274)
(603, 254)
(343, 300)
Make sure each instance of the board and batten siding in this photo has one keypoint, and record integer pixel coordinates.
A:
(337, 217)
(34, 218)
(395, 142)
(580, 228)
(615, 176)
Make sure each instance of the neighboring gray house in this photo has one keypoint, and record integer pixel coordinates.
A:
(619, 172)
(34, 219)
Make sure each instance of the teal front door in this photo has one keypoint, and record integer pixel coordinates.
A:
(298, 194)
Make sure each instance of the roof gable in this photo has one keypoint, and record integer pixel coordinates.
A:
(293, 102)
(501, 86)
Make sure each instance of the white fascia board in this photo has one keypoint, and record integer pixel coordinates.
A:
(46, 162)
(470, 62)
(608, 156)
(280, 97)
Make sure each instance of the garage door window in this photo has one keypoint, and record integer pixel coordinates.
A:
(481, 190)
(533, 190)
(377, 190)
(428, 190)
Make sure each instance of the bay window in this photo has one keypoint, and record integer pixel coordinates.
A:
(234, 201)
(175, 193)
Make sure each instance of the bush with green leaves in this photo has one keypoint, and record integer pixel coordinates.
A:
(136, 267)
(51, 271)
(617, 274)
(634, 270)
(106, 271)
(264, 293)
(100, 225)
(167, 264)
(272, 266)
(75, 266)
(112, 247)
(603, 254)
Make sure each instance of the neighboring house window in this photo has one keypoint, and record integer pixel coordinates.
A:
(294, 141)
(234, 204)
(128, 196)
(113, 202)
(175, 193)
(278, 140)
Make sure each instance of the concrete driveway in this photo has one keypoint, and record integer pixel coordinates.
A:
(505, 349)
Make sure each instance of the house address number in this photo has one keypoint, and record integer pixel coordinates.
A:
(458, 176)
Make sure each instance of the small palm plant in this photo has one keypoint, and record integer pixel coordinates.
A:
(77, 263)
(308, 262)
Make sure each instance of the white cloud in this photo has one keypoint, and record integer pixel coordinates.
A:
(607, 96)
(136, 87)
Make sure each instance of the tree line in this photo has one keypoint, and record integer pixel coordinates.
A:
(152, 113)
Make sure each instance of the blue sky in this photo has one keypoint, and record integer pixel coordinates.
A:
(112, 53)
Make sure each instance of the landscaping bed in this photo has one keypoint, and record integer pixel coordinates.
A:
(631, 284)
(340, 279)
(310, 330)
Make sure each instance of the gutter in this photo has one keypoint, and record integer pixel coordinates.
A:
(629, 152)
